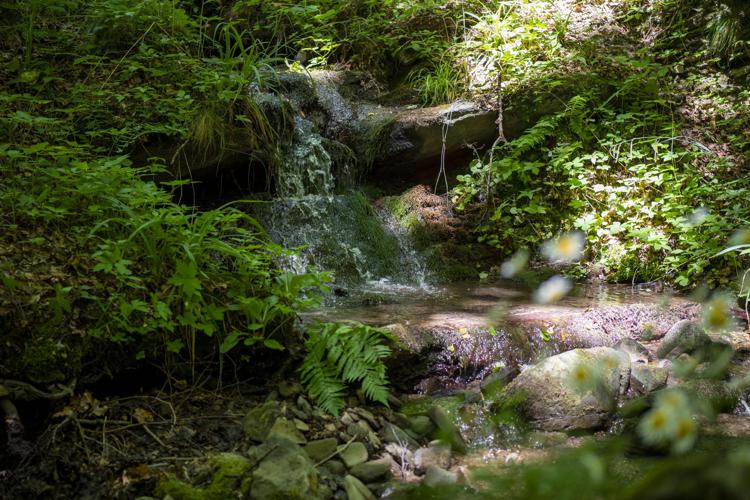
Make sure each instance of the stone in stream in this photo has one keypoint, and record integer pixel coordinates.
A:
(577, 389)
(284, 472)
(353, 454)
(392, 433)
(435, 476)
(447, 430)
(684, 337)
(374, 470)
(647, 378)
(321, 449)
(493, 383)
(437, 454)
(635, 351)
(421, 425)
(356, 490)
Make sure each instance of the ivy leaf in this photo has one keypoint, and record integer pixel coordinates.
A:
(273, 344)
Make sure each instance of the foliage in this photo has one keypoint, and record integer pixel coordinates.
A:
(344, 353)
(100, 259)
(614, 164)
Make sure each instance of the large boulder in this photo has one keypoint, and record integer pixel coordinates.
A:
(685, 337)
(284, 473)
(578, 389)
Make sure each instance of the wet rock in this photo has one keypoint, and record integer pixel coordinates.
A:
(401, 454)
(635, 351)
(285, 472)
(684, 337)
(415, 138)
(336, 467)
(446, 429)
(356, 490)
(321, 449)
(605, 326)
(421, 425)
(392, 433)
(301, 426)
(541, 439)
(284, 428)
(435, 476)
(374, 470)
(229, 473)
(720, 395)
(577, 389)
(353, 454)
(437, 454)
(494, 383)
(260, 419)
(304, 406)
(647, 378)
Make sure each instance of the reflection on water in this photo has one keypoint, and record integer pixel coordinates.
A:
(383, 302)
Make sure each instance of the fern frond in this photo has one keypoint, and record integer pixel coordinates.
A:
(345, 353)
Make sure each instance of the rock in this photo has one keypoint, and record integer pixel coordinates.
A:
(435, 476)
(374, 470)
(285, 472)
(421, 425)
(541, 439)
(353, 454)
(260, 419)
(286, 429)
(336, 467)
(415, 138)
(304, 406)
(446, 429)
(287, 389)
(355, 490)
(321, 449)
(437, 454)
(401, 454)
(720, 395)
(553, 397)
(495, 382)
(635, 351)
(229, 478)
(684, 337)
(392, 433)
(647, 378)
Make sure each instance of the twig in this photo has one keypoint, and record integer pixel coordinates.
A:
(156, 438)
(335, 452)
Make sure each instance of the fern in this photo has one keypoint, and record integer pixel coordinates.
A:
(344, 353)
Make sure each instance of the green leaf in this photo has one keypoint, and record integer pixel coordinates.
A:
(273, 344)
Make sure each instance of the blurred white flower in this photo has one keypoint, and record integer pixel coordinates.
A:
(515, 264)
(566, 248)
(740, 237)
(717, 313)
(552, 290)
(698, 216)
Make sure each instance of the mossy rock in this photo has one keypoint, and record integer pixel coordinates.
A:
(229, 479)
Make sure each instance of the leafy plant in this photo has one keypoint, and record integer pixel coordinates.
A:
(343, 353)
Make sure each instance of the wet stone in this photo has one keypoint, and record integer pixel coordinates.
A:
(374, 470)
(356, 490)
(321, 449)
(353, 454)
(393, 434)
(421, 425)
(435, 476)
(286, 429)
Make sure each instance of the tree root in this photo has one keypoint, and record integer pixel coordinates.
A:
(26, 392)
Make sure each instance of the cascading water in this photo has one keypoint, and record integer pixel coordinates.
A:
(341, 233)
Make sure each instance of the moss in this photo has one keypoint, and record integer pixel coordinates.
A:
(229, 479)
